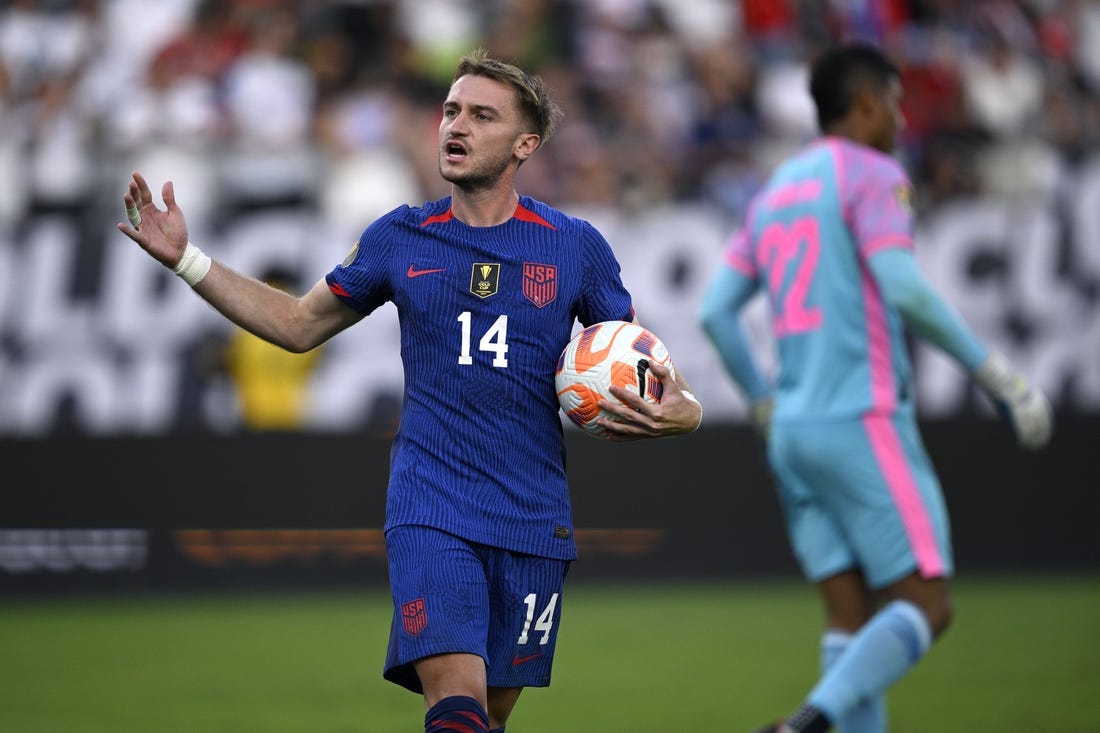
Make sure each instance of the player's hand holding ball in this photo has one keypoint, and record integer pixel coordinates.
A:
(615, 380)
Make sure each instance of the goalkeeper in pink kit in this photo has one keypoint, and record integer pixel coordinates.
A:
(830, 240)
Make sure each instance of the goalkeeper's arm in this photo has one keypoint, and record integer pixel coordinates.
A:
(719, 316)
(928, 315)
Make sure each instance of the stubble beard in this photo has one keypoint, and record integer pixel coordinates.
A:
(478, 177)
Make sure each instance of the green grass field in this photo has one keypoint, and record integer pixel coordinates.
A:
(1023, 656)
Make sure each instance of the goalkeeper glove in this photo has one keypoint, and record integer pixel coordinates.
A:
(1021, 403)
(760, 412)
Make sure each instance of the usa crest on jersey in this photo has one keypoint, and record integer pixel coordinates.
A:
(540, 283)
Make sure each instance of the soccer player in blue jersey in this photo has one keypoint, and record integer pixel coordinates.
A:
(829, 238)
(488, 285)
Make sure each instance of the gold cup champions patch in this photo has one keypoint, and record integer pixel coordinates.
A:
(485, 279)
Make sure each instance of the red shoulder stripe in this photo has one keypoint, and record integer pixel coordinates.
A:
(524, 214)
(438, 218)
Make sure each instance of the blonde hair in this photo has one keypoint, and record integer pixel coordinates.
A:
(534, 100)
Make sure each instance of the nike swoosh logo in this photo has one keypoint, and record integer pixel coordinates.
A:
(518, 660)
(413, 272)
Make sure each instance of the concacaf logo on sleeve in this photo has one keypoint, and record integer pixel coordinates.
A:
(351, 255)
(904, 194)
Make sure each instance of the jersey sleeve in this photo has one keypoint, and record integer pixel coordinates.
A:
(605, 298)
(362, 281)
(738, 253)
(879, 203)
(720, 318)
(928, 314)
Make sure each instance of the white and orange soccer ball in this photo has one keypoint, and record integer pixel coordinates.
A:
(607, 353)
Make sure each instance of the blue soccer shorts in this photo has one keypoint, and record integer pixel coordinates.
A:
(455, 596)
(861, 493)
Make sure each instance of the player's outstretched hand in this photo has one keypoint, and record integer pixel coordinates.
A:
(163, 234)
(1023, 404)
(675, 414)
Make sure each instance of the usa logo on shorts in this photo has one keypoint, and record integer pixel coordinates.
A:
(414, 617)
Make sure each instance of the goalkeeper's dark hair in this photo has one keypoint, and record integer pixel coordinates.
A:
(538, 109)
(841, 72)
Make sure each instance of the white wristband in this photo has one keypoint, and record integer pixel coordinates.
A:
(691, 397)
(193, 265)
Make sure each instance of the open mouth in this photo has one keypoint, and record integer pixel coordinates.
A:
(455, 151)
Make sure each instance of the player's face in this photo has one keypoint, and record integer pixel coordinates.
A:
(889, 120)
(480, 132)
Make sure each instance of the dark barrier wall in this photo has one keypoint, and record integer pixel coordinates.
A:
(290, 508)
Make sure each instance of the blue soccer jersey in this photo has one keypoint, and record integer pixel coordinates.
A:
(484, 314)
(808, 237)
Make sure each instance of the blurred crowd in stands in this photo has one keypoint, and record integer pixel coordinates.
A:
(334, 104)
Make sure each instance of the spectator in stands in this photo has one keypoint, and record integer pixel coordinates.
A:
(270, 96)
(272, 384)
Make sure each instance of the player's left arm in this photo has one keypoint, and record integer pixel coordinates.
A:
(719, 316)
(677, 413)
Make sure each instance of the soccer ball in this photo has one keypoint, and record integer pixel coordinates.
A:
(607, 353)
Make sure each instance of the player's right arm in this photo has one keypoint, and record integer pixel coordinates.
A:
(297, 324)
(903, 286)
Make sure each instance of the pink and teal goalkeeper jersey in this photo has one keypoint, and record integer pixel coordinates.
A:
(808, 237)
